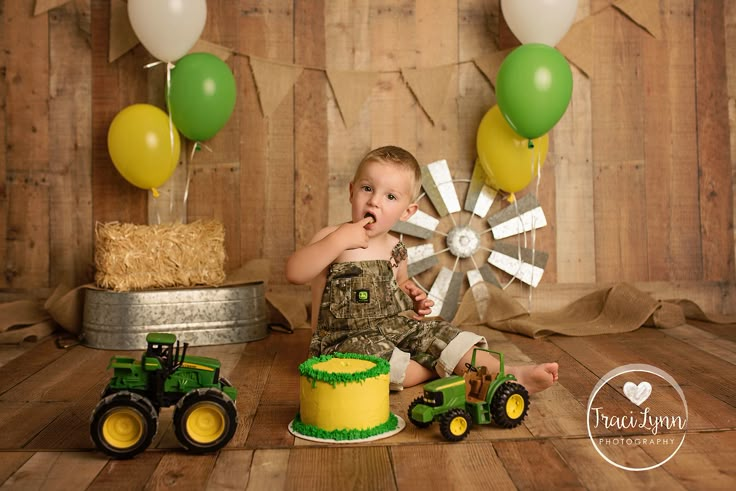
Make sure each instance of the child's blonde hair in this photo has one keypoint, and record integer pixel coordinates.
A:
(399, 157)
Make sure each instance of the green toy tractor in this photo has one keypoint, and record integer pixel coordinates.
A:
(477, 397)
(126, 418)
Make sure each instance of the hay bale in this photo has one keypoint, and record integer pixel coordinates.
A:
(136, 257)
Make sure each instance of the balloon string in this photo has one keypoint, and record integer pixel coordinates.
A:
(195, 146)
(518, 246)
(534, 231)
(169, 67)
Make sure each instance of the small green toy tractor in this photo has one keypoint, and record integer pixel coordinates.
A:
(477, 397)
(126, 418)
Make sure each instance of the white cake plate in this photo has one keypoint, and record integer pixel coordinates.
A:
(400, 425)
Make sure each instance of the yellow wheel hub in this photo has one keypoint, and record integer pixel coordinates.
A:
(123, 428)
(458, 425)
(515, 406)
(206, 422)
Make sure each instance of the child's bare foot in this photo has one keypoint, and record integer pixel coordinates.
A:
(536, 378)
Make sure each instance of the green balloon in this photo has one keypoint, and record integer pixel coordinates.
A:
(202, 95)
(533, 89)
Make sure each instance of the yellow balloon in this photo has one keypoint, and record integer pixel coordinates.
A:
(139, 141)
(506, 157)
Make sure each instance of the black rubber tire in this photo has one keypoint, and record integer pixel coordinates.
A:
(418, 424)
(106, 391)
(499, 406)
(447, 428)
(133, 406)
(205, 400)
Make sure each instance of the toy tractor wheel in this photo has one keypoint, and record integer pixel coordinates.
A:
(418, 424)
(455, 424)
(205, 420)
(123, 424)
(106, 391)
(509, 405)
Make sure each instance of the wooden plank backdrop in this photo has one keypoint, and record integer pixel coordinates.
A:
(638, 184)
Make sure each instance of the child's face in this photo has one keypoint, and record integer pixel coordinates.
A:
(383, 191)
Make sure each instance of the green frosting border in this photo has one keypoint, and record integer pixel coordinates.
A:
(307, 369)
(340, 435)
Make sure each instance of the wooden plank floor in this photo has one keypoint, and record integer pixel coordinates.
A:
(47, 395)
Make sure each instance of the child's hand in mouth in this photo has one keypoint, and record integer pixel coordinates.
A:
(371, 216)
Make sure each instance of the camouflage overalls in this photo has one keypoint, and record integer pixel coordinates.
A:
(360, 312)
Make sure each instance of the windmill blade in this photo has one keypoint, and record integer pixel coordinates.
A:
(529, 270)
(420, 258)
(476, 277)
(445, 293)
(484, 273)
(479, 197)
(508, 222)
(437, 183)
(419, 225)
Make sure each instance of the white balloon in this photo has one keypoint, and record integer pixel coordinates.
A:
(539, 21)
(167, 28)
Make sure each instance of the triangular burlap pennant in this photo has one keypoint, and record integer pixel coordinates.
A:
(643, 12)
(351, 89)
(489, 64)
(202, 46)
(273, 82)
(46, 5)
(122, 36)
(576, 45)
(429, 86)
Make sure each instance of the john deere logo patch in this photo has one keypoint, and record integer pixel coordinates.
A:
(362, 296)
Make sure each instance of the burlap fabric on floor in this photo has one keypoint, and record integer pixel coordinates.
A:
(620, 308)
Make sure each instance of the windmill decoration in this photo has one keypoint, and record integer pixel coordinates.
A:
(465, 239)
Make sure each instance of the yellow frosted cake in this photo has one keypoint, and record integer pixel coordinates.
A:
(344, 397)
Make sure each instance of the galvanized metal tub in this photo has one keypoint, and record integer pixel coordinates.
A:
(198, 316)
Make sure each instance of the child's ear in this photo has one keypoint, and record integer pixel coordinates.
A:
(350, 189)
(410, 210)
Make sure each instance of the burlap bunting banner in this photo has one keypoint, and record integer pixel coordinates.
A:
(576, 45)
(273, 82)
(122, 36)
(202, 46)
(430, 87)
(46, 5)
(645, 13)
(489, 64)
(351, 90)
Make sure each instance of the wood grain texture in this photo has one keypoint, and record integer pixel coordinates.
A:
(524, 459)
(112, 197)
(46, 434)
(70, 144)
(618, 150)
(341, 468)
(474, 466)
(26, 111)
(311, 161)
(714, 164)
(673, 238)
(120, 475)
(60, 471)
